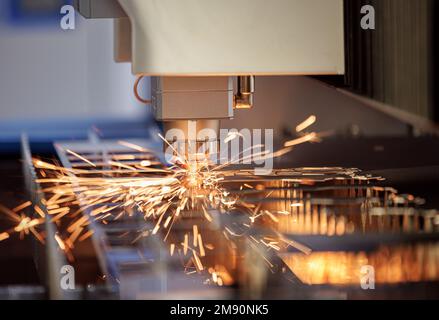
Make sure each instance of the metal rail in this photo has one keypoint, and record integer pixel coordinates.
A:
(49, 258)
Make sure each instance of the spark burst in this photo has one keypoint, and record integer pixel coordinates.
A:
(162, 195)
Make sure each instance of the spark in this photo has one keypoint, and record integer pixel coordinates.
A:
(198, 263)
(232, 135)
(26, 223)
(206, 214)
(22, 206)
(185, 244)
(60, 242)
(306, 138)
(195, 231)
(272, 216)
(296, 204)
(133, 146)
(4, 236)
(86, 235)
(201, 246)
(121, 165)
(137, 184)
(145, 163)
(80, 157)
(11, 214)
(307, 123)
(75, 235)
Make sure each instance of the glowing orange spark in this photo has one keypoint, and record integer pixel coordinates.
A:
(81, 157)
(132, 146)
(309, 137)
(22, 206)
(305, 124)
(4, 236)
(60, 242)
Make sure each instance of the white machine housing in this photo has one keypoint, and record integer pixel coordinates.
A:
(220, 38)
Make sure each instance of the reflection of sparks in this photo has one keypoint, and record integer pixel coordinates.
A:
(411, 263)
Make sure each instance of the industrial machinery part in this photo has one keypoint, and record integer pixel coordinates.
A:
(180, 98)
(48, 258)
(193, 47)
(244, 98)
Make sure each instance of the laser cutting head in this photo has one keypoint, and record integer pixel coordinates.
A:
(191, 107)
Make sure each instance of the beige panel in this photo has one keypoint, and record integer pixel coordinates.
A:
(210, 37)
(174, 84)
(194, 105)
(176, 98)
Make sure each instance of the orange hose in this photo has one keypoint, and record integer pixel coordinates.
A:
(136, 91)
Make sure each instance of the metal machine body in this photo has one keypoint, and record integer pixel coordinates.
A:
(183, 42)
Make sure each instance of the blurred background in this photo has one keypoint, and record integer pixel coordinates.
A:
(57, 83)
